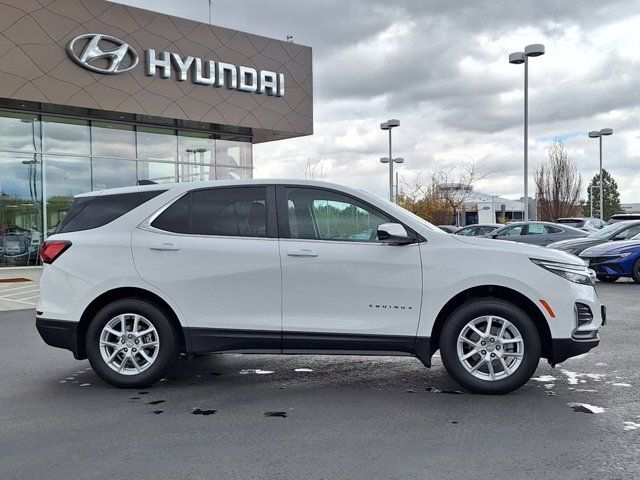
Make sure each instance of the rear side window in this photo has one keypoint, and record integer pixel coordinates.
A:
(236, 212)
(93, 212)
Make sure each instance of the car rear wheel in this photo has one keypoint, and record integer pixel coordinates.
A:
(607, 279)
(635, 273)
(131, 343)
(490, 346)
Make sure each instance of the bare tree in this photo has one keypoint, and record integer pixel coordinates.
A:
(445, 193)
(558, 185)
(315, 170)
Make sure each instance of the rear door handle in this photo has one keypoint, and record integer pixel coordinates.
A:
(164, 246)
(303, 252)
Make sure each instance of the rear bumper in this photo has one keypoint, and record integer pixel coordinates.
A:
(563, 348)
(59, 333)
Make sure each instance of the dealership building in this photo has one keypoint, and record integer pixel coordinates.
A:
(96, 94)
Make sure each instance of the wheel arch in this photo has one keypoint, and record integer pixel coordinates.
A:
(494, 291)
(126, 292)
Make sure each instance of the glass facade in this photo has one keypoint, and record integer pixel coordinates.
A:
(46, 160)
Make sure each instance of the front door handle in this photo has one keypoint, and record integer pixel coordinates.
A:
(164, 246)
(303, 252)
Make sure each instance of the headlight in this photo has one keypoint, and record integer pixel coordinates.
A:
(573, 273)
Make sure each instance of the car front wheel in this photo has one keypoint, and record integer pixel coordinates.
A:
(490, 346)
(607, 279)
(131, 343)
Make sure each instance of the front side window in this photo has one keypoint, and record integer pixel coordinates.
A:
(324, 215)
(236, 212)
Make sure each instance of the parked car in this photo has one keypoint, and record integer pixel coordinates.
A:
(20, 246)
(448, 228)
(621, 217)
(615, 232)
(254, 266)
(537, 233)
(615, 260)
(587, 224)
(478, 230)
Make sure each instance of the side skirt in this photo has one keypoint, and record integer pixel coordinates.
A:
(211, 340)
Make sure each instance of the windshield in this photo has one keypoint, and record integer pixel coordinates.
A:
(606, 232)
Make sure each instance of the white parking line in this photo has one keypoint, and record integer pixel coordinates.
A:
(30, 285)
(34, 296)
(24, 292)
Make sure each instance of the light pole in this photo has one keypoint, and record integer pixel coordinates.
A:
(534, 50)
(392, 196)
(599, 134)
(389, 125)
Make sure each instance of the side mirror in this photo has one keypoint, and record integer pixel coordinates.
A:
(394, 234)
(619, 237)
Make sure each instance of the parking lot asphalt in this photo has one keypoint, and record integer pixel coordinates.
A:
(320, 417)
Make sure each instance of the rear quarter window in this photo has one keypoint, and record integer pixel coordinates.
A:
(96, 211)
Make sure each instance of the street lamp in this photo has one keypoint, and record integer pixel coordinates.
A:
(599, 134)
(516, 58)
(388, 125)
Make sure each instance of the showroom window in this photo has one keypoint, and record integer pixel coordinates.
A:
(55, 158)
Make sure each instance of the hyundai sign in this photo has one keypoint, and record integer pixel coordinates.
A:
(109, 55)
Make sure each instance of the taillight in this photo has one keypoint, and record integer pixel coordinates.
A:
(52, 249)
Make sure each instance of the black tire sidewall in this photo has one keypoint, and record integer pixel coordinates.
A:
(166, 334)
(606, 278)
(500, 308)
(635, 273)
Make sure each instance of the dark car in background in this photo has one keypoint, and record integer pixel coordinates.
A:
(615, 232)
(614, 260)
(478, 230)
(588, 224)
(536, 233)
(621, 217)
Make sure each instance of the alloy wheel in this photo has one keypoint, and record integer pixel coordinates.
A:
(129, 344)
(490, 348)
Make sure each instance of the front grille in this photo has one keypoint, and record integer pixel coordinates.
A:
(597, 260)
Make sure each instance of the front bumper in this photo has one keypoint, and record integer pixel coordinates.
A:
(59, 333)
(563, 348)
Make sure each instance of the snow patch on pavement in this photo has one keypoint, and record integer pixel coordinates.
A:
(585, 407)
(544, 378)
(255, 371)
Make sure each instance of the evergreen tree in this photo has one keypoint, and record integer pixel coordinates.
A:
(611, 196)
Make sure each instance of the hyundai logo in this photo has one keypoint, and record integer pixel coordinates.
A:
(102, 53)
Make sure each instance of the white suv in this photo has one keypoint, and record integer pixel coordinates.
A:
(134, 276)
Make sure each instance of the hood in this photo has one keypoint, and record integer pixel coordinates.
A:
(575, 242)
(610, 247)
(532, 251)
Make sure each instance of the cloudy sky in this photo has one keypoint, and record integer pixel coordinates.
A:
(442, 69)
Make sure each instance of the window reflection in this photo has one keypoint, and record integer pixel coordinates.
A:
(19, 131)
(195, 147)
(157, 143)
(229, 173)
(64, 177)
(113, 140)
(233, 153)
(157, 172)
(65, 135)
(20, 209)
(111, 173)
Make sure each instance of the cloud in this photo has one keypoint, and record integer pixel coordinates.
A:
(442, 69)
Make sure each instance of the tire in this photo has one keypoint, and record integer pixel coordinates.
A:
(518, 325)
(606, 279)
(136, 372)
(635, 273)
